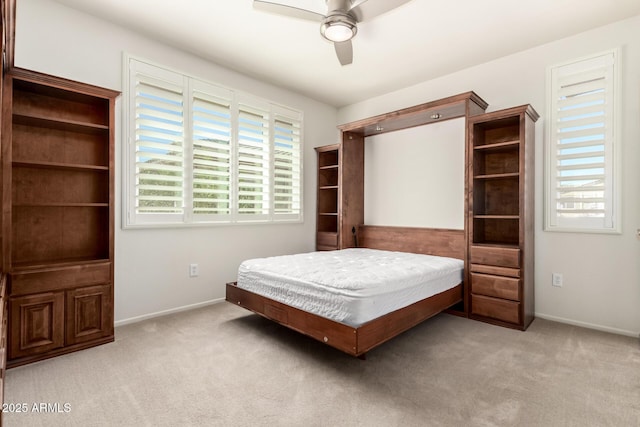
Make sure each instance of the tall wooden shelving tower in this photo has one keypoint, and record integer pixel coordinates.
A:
(58, 214)
(501, 212)
(57, 222)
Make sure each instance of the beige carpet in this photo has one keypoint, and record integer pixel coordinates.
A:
(222, 366)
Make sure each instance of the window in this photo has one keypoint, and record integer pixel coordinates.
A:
(203, 154)
(582, 175)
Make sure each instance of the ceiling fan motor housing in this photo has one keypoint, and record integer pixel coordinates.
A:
(335, 5)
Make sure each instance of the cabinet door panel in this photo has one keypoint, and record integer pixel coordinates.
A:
(89, 314)
(37, 324)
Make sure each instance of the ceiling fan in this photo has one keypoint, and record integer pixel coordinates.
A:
(339, 23)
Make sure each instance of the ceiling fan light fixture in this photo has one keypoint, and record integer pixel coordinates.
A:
(338, 27)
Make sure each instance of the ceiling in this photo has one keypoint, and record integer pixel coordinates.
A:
(418, 41)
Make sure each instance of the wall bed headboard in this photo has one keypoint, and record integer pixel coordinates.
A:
(429, 241)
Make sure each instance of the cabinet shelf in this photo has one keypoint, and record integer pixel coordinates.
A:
(499, 146)
(495, 245)
(56, 123)
(56, 165)
(498, 176)
(328, 190)
(510, 217)
(62, 205)
(19, 267)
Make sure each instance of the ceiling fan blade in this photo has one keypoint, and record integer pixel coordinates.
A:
(365, 10)
(284, 9)
(344, 50)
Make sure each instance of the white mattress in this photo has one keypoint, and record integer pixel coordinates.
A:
(351, 286)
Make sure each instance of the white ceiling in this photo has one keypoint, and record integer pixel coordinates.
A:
(418, 41)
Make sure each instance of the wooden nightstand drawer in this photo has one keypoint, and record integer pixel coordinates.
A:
(496, 255)
(495, 286)
(495, 308)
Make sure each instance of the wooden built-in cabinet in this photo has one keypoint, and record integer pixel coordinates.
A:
(348, 158)
(328, 196)
(340, 202)
(501, 194)
(499, 189)
(57, 220)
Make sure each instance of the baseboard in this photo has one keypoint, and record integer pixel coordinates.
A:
(166, 312)
(634, 334)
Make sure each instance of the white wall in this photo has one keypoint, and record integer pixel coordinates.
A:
(415, 177)
(151, 266)
(601, 272)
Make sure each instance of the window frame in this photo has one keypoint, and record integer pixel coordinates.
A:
(611, 222)
(133, 219)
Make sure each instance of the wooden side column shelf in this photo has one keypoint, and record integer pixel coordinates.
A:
(500, 183)
(58, 214)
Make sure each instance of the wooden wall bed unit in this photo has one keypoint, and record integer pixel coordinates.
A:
(357, 341)
(498, 219)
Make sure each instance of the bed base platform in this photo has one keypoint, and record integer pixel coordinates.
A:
(355, 341)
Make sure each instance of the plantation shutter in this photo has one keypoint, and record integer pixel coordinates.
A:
(159, 142)
(211, 153)
(581, 144)
(199, 153)
(253, 162)
(287, 169)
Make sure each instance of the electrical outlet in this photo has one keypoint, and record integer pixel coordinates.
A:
(556, 279)
(193, 270)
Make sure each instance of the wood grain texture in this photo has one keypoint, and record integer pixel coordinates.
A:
(37, 324)
(351, 187)
(375, 332)
(332, 333)
(528, 217)
(491, 269)
(355, 341)
(429, 241)
(495, 255)
(448, 108)
(496, 286)
(88, 314)
(60, 278)
(496, 308)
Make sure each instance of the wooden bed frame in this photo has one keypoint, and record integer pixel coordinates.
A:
(357, 341)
